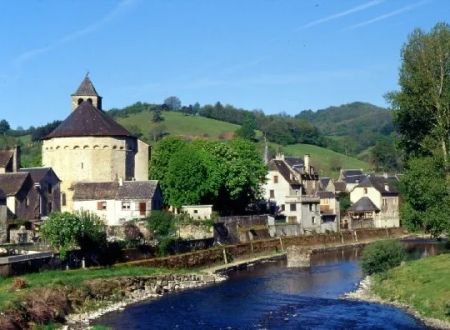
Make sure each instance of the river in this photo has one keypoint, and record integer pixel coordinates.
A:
(272, 296)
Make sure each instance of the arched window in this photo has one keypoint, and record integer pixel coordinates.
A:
(76, 147)
(80, 100)
(96, 146)
(86, 147)
(89, 100)
(63, 199)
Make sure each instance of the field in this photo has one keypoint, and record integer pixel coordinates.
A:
(179, 124)
(325, 160)
(422, 284)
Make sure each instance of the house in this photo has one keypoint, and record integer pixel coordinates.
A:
(9, 160)
(198, 212)
(292, 185)
(3, 217)
(375, 203)
(351, 178)
(89, 146)
(329, 211)
(48, 187)
(117, 202)
(22, 197)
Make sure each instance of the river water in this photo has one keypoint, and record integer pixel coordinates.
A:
(272, 296)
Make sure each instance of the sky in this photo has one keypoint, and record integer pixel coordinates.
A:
(272, 55)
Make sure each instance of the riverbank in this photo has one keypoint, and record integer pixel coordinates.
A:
(421, 287)
(84, 294)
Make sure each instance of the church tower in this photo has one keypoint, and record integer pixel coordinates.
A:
(86, 92)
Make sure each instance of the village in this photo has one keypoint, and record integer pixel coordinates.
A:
(91, 163)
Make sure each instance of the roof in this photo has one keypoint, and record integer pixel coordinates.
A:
(294, 162)
(86, 88)
(114, 191)
(280, 166)
(346, 173)
(87, 120)
(325, 194)
(5, 157)
(354, 178)
(364, 204)
(339, 186)
(11, 183)
(38, 173)
(324, 181)
(387, 186)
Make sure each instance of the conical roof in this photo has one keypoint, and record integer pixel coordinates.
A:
(87, 120)
(86, 88)
(364, 204)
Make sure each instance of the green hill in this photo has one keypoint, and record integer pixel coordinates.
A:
(328, 162)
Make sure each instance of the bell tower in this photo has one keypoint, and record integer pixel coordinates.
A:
(86, 92)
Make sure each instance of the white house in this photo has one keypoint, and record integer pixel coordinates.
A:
(198, 212)
(292, 185)
(117, 202)
(351, 178)
(375, 203)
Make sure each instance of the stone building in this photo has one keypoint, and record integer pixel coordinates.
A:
(9, 160)
(89, 146)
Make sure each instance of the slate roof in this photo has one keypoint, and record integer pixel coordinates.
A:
(38, 173)
(5, 157)
(87, 120)
(280, 166)
(346, 173)
(380, 183)
(11, 183)
(355, 178)
(113, 191)
(339, 186)
(325, 194)
(294, 161)
(324, 181)
(86, 88)
(364, 204)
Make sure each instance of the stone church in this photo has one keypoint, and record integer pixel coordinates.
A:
(89, 146)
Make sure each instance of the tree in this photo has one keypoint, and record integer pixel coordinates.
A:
(384, 156)
(422, 106)
(4, 126)
(247, 130)
(383, 255)
(172, 103)
(427, 196)
(157, 116)
(66, 231)
(161, 155)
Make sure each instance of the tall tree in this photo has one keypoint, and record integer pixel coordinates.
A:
(247, 130)
(422, 106)
(4, 126)
(172, 103)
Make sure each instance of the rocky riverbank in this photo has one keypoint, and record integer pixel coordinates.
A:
(136, 289)
(365, 293)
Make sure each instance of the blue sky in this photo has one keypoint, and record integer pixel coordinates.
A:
(277, 55)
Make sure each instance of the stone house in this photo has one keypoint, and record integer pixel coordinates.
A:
(89, 146)
(22, 197)
(329, 211)
(292, 185)
(119, 201)
(9, 160)
(375, 203)
(48, 187)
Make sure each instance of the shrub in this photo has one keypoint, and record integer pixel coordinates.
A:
(381, 256)
(132, 233)
(19, 283)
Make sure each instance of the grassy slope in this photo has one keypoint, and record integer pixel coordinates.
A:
(422, 284)
(323, 158)
(178, 124)
(70, 277)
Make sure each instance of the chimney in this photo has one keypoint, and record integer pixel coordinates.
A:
(386, 187)
(306, 163)
(120, 181)
(16, 159)
(279, 156)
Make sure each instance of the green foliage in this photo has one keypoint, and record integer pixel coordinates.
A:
(382, 255)
(161, 155)
(161, 223)
(427, 196)
(384, 156)
(247, 130)
(172, 103)
(344, 202)
(157, 116)
(133, 235)
(4, 126)
(65, 231)
(422, 106)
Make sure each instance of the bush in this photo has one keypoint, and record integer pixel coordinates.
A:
(132, 233)
(19, 283)
(381, 256)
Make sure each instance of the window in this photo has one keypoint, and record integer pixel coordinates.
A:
(195, 211)
(49, 208)
(310, 207)
(126, 205)
(272, 194)
(63, 199)
(82, 165)
(365, 191)
(313, 220)
(282, 207)
(293, 207)
(275, 179)
(101, 205)
(49, 188)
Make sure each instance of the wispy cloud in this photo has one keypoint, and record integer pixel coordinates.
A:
(342, 13)
(388, 15)
(28, 55)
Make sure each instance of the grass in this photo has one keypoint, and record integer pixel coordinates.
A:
(325, 159)
(177, 123)
(422, 284)
(70, 277)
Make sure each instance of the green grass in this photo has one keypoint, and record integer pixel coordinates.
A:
(178, 124)
(71, 277)
(323, 159)
(422, 284)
